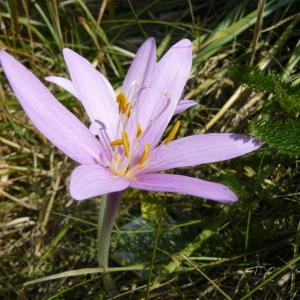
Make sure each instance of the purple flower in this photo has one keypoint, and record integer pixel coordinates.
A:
(123, 146)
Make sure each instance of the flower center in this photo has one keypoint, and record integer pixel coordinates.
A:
(123, 158)
(125, 161)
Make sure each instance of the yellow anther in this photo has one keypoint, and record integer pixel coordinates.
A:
(145, 154)
(116, 143)
(122, 107)
(123, 103)
(139, 131)
(121, 97)
(125, 142)
(172, 133)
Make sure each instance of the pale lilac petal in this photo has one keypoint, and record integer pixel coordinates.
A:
(68, 86)
(183, 105)
(200, 149)
(184, 185)
(64, 83)
(50, 117)
(158, 103)
(94, 92)
(88, 181)
(141, 68)
(169, 78)
(94, 128)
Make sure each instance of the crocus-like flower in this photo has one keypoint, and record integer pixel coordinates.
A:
(123, 146)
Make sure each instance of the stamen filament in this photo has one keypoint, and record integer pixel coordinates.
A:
(104, 139)
(117, 158)
(128, 110)
(172, 133)
(126, 143)
(145, 154)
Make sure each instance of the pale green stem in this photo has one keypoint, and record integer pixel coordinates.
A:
(108, 211)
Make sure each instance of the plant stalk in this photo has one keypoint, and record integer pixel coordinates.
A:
(108, 210)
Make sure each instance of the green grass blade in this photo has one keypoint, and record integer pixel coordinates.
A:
(85, 271)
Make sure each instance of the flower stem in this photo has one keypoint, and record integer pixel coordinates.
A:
(108, 210)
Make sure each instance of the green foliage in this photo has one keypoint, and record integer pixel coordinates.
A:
(282, 135)
(282, 91)
(277, 124)
(254, 78)
(151, 209)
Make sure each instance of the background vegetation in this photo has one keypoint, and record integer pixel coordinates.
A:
(195, 249)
